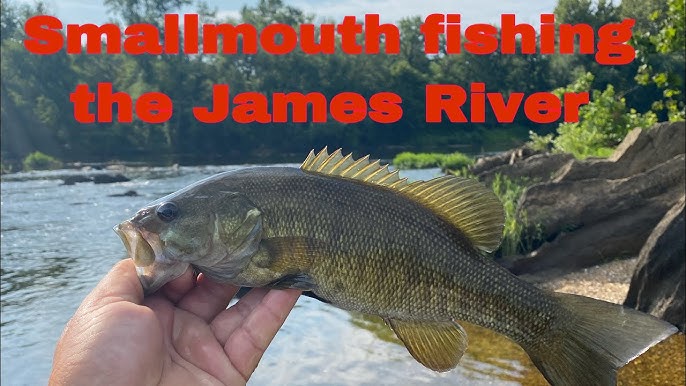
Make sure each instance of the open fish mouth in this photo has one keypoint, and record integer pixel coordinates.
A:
(145, 249)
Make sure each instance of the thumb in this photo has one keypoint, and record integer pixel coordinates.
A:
(120, 284)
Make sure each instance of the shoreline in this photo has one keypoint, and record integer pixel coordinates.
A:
(609, 281)
(663, 363)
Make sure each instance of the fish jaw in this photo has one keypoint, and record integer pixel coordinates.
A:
(145, 249)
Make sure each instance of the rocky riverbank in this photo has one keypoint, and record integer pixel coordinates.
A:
(589, 212)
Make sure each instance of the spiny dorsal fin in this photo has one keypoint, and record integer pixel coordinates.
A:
(437, 345)
(466, 203)
(345, 166)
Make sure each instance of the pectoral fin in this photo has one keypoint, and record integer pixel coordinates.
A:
(281, 262)
(312, 295)
(437, 345)
(301, 281)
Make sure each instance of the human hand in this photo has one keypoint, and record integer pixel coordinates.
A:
(181, 335)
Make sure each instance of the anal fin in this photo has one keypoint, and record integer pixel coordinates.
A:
(436, 345)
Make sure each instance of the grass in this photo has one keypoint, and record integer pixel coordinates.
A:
(451, 161)
(518, 235)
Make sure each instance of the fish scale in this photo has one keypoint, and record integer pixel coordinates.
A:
(426, 270)
(360, 237)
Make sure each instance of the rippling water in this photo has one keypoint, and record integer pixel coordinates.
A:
(57, 242)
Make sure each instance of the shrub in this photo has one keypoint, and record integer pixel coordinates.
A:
(40, 161)
(603, 123)
(453, 161)
(408, 160)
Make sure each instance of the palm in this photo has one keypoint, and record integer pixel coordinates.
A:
(182, 335)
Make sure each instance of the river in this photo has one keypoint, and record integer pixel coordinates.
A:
(57, 242)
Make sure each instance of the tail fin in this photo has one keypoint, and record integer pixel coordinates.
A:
(593, 340)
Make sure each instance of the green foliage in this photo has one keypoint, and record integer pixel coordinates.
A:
(409, 160)
(455, 161)
(518, 235)
(40, 161)
(540, 142)
(37, 113)
(602, 125)
(452, 161)
(662, 57)
(509, 193)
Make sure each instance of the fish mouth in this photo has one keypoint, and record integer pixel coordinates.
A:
(145, 249)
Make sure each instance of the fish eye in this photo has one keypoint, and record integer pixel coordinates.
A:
(167, 211)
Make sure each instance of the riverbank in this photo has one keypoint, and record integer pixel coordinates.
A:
(609, 282)
(663, 364)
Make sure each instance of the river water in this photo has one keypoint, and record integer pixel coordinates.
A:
(57, 242)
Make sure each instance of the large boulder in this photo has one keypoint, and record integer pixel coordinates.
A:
(593, 221)
(639, 151)
(568, 205)
(615, 237)
(536, 168)
(595, 210)
(657, 286)
(505, 158)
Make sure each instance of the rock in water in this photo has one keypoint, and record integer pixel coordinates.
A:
(657, 286)
(109, 178)
(71, 180)
(128, 193)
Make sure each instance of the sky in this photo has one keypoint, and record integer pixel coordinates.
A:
(480, 11)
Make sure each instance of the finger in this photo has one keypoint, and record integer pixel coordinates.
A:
(208, 298)
(120, 284)
(229, 320)
(176, 289)
(247, 344)
(195, 343)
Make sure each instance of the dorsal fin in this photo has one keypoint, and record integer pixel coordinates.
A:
(345, 166)
(466, 203)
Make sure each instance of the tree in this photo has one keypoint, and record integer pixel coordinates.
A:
(663, 58)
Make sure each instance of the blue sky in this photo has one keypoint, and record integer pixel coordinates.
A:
(488, 11)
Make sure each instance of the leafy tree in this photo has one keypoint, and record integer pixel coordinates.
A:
(37, 114)
(662, 56)
(602, 125)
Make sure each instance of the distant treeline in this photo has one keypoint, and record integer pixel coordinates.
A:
(37, 113)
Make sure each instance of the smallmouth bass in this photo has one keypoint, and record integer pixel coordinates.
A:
(359, 237)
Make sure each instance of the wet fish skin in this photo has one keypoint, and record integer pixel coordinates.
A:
(367, 248)
(369, 252)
